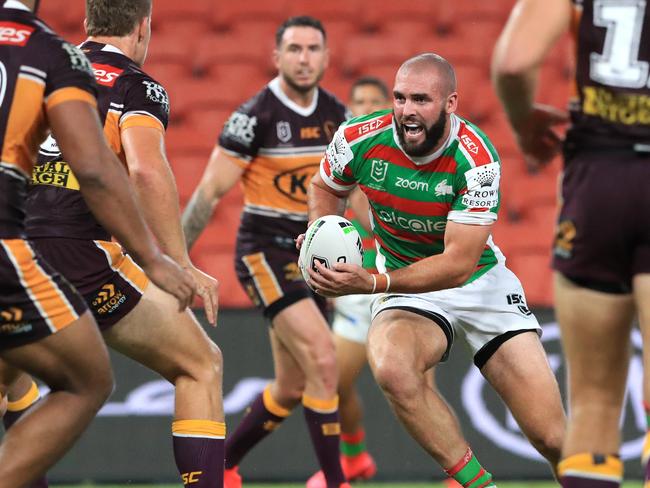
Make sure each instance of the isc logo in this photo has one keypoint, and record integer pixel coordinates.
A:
(106, 74)
(372, 125)
(13, 33)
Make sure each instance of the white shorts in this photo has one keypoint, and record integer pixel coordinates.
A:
(352, 317)
(486, 312)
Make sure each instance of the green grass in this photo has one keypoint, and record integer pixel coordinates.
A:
(516, 484)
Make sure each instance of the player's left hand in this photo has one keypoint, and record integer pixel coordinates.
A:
(299, 240)
(208, 289)
(344, 279)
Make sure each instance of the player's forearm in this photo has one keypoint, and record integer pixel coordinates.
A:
(110, 197)
(324, 202)
(196, 216)
(516, 91)
(439, 272)
(158, 198)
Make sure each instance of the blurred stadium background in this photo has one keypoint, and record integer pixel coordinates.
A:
(211, 55)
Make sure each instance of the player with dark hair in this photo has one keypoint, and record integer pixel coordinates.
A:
(45, 328)
(441, 275)
(352, 313)
(273, 143)
(601, 254)
(135, 317)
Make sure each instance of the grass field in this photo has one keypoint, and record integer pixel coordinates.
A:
(519, 484)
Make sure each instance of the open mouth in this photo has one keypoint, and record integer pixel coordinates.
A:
(412, 129)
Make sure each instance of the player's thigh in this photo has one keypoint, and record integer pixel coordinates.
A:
(595, 330)
(157, 335)
(302, 329)
(404, 339)
(71, 359)
(350, 359)
(520, 373)
(641, 288)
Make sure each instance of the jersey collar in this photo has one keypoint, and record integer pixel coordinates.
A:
(274, 86)
(16, 4)
(420, 161)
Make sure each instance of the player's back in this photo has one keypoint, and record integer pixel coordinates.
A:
(612, 106)
(127, 96)
(37, 70)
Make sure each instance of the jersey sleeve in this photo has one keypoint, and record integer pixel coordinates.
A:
(477, 195)
(336, 166)
(69, 75)
(146, 103)
(242, 133)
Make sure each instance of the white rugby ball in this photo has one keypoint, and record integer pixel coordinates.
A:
(330, 239)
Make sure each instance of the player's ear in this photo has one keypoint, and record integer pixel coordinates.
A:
(276, 58)
(452, 102)
(86, 26)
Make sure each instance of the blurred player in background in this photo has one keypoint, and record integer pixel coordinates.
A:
(136, 317)
(602, 246)
(45, 328)
(273, 143)
(441, 276)
(352, 313)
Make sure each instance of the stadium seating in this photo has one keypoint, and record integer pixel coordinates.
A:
(211, 56)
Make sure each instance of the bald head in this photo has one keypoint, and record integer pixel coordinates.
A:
(435, 63)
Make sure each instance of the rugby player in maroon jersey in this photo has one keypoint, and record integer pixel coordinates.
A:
(601, 254)
(45, 328)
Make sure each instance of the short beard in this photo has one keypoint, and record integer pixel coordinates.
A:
(432, 136)
(299, 88)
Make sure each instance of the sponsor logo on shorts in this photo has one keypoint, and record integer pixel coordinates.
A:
(12, 33)
(191, 477)
(13, 322)
(564, 237)
(520, 302)
(292, 272)
(108, 299)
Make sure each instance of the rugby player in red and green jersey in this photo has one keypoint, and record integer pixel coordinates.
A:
(432, 180)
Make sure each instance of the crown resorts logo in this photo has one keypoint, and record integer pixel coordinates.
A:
(488, 417)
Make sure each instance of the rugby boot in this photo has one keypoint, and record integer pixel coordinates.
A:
(359, 467)
(232, 478)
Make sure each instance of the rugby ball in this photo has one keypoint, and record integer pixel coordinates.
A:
(329, 240)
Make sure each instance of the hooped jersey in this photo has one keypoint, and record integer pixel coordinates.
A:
(128, 97)
(612, 72)
(279, 144)
(411, 199)
(38, 70)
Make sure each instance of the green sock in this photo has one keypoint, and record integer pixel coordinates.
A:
(469, 472)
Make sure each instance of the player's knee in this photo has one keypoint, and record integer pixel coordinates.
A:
(394, 379)
(100, 388)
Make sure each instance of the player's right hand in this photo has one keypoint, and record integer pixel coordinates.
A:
(170, 277)
(537, 138)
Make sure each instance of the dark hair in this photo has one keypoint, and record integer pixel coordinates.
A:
(115, 17)
(370, 80)
(299, 21)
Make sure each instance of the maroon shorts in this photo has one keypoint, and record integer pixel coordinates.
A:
(268, 271)
(603, 233)
(110, 282)
(35, 301)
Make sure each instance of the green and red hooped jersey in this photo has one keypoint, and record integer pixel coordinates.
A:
(411, 199)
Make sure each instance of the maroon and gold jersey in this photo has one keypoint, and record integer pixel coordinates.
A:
(280, 145)
(128, 97)
(38, 70)
(612, 105)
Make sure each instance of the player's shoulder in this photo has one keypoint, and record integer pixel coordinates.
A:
(473, 145)
(366, 127)
(328, 99)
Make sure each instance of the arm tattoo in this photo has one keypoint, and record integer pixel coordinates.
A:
(195, 217)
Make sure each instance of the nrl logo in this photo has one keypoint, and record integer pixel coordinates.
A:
(379, 170)
(283, 130)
